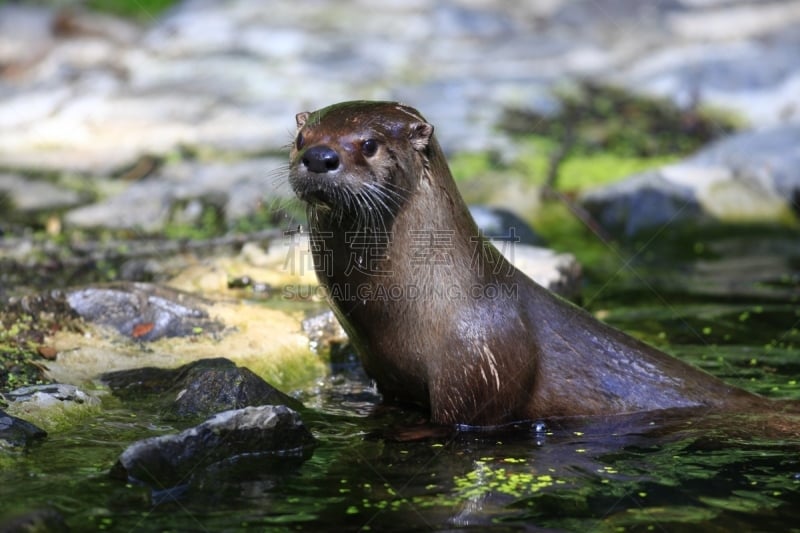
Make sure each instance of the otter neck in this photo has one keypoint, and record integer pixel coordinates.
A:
(429, 238)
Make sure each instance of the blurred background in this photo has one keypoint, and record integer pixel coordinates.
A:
(167, 117)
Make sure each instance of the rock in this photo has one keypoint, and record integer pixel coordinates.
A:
(189, 328)
(36, 521)
(643, 202)
(33, 196)
(755, 78)
(236, 189)
(54, 406)
(502, 225)
(558, 272)
(249, 433)
(25, 33)
(143, 311)
(49, 395)
(749, 177)
(201, 388)
(17, 432)
(88, 93)
(77, 23)
(227, 77)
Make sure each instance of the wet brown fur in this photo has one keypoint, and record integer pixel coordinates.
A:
(477, 361)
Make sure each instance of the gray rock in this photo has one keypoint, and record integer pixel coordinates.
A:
(52, 394)
(21, 109)
(200, 388)
(237, 188)
(749, 177)
(172, 460)
(142, 311)
(25, 33)
(32, 196)
(152, 200)
(15, 432)
(755, 78)
(558, 272)
(80, 24)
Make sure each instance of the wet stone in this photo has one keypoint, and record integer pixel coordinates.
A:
(247, 435)
(15, 432)
(143, 311)
(197, 389)
(52, 394)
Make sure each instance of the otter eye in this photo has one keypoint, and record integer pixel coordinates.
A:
(300, 141)
(369, 147)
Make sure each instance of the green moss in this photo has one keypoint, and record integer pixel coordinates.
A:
(57, 417)
(292, 371)
(566, 233)
(603, 134)
(470, 164)
(24, 327)
(20, 362)
(210, 223)
(579, 171)
(592, 170)
(145, 10)
(597, 117)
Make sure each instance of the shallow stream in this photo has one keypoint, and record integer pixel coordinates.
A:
(731, 307)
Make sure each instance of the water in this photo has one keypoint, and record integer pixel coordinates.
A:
(652, 472)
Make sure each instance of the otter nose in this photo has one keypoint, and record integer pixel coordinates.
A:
(321, 159)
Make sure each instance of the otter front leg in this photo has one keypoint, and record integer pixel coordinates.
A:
(474, 391)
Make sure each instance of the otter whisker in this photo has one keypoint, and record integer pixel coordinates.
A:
(377, 209)
(380, 208)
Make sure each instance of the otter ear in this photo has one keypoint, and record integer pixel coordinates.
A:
(301, 118)
(419, 134)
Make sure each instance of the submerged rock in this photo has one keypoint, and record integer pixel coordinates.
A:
(749, 177)
(17, 432)
(200, 388)
(37, 520)
(249, 433)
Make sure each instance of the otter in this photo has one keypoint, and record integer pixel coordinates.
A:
(439, 318)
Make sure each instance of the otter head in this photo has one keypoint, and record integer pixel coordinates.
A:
(359, 160)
